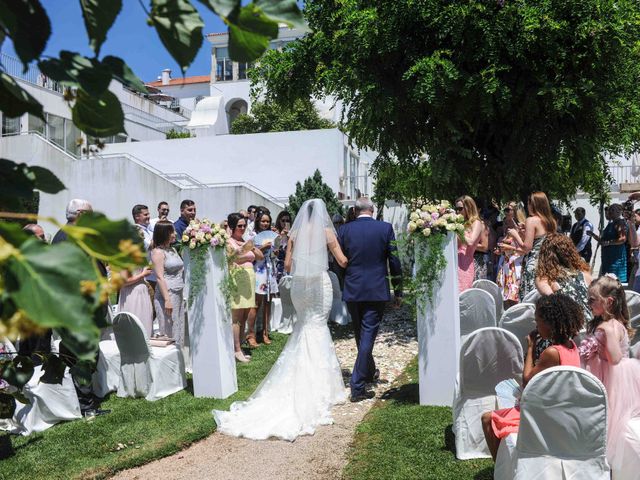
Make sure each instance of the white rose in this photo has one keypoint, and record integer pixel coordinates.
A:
(411, 227)
(426, 232)
(414, 216)
(425, 208)
(207, 236)
(419, 223)
(460, 218)
(192, 244)
(460, 227)
(450, 227)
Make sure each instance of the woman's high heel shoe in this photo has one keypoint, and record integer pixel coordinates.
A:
(241, 358)
(265, 339)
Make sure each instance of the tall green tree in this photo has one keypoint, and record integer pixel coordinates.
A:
(314, 187)
(488, 97)
(273, 117)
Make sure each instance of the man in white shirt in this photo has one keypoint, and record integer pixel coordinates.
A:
(163, 214)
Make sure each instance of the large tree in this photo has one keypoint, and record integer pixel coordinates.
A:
(492, 98)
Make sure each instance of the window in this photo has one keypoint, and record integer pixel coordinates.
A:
(10, 125)
(71, 135)
(224, 65)
(242, 70)
(36, 124)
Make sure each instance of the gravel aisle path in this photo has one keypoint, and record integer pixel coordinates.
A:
(321, 456)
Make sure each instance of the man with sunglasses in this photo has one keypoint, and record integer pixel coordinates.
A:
(163, 214)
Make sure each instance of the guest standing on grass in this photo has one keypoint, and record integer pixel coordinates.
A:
(240, 255)
(528, 238)
(466, 207)
(169, 270)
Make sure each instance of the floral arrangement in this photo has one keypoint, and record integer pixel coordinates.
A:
(427, 229)
(203, 233)
(198, 237)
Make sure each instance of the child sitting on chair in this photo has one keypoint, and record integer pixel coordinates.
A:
(558, 319)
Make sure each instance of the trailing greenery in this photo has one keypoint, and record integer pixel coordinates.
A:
(489, 98)
(146, 430)
(197, 260)
(173, 134)
(401, 439)
(314, 187)
(272, 117)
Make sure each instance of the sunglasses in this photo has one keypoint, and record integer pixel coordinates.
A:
(508, 209)
(241, 226)
(459, 209)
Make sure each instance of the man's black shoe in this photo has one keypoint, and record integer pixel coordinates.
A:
(362, 396)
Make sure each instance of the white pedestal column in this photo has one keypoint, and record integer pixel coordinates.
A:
(439, 334)
(210, 332)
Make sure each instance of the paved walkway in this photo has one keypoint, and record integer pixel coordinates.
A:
(321, 456)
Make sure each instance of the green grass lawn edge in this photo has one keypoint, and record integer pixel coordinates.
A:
(400, 439)
(149, 431)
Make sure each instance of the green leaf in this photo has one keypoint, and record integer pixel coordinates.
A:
(179, 27)
(27, 23)
(283, 11)
(12, 232)
(18, 372)
(15, 100)
(75, 70)
(44, 283)
(82, 372)
(19, 180)
(98, 116)
(7, 405)
(123, 73)
(83, 343)
(53, 370)
(104, 237)
(249, 33)
(222, 8)
(99, 16)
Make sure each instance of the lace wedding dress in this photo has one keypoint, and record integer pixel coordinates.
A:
(306, 381)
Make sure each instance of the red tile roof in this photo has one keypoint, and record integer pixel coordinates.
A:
(182, 81)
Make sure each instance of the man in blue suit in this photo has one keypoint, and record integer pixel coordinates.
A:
(368, 244)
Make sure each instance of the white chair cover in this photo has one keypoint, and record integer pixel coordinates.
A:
(145, 371)
(477, 310)
(563, 427)
(487, 356)
(630, 455)
(493, 289)
(634, 342)
(288, 311)
(276, 315)
(532, 296)
(520, 319)
(107, 376)
(339, 313)
(633, 303)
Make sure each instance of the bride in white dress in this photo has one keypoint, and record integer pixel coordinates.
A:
(306, 381)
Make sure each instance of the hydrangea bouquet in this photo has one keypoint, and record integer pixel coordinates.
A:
(431, 218)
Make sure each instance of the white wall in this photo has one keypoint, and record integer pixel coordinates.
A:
(114, 185)
(273, 162)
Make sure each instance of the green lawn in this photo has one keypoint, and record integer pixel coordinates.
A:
(399, 439)
(150, 430)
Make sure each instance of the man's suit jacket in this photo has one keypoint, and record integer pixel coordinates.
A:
(368, 244)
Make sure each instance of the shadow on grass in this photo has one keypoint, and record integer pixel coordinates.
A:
(404, 394)
(341, 332)
(449, 439)
(7, 449)
(484, 474)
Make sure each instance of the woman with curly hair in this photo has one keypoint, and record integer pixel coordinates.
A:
(562, 269)
(605, 353)
(558, 319)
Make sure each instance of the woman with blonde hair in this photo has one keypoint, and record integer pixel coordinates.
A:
(538, 225)
(466, 207)
(562, 269)
(510, 261)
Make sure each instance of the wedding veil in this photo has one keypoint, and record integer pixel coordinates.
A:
(309, 235)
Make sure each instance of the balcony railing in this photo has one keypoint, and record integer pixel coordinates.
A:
(33, 75)
(624, 174)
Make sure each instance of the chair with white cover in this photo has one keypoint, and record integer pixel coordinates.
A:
(494, 290)
(633, 303)
(532, 296)
(477, 310)
(339, 313)
(487, 356)
(107, 375)
(634, 342)
(563, 429)
(51, 403)
(288, 311)
(146, 371)
(520, 320)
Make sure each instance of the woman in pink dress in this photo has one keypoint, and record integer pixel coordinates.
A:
(466, 207)
(605, 353)
(558, 319)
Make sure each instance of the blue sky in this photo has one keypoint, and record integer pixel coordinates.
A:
(130, 38)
